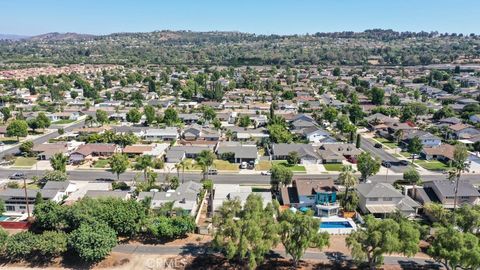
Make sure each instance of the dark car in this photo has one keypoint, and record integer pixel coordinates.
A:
(403, 162)
(105, 179)
(378, 145)
(386, 164)
(212, 172)
(18, 176)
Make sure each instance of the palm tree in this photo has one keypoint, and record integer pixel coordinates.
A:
(459, 164)
(143, 163)
(229, 135)
(398, 136)
(348, 179)
(59, 162)
(177, 167)
(183, 164)
(205, 160)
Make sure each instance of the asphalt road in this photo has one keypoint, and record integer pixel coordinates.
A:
(42, 139)
(369, 146)
(333, 257)
(247, 179)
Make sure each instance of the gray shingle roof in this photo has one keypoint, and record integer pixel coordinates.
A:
(378, 190)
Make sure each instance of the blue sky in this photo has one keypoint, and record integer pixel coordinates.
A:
(30, 17)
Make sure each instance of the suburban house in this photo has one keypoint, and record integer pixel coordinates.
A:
(306, 152)
(65, 187)
(15, 202)
(443, 192)
(87, 151)
(189, 118)
(177, 153)
(426, 138)
(248, 134)
(463, 131)
(119, 194)
(164, 134)
(154, 150)
(380, 199)
(223, 192)
(47, 150)
(337, 152)
(197, 132)
(443, 152)
(236, 152)
(318, 195)
(317, 135)
(185, 197)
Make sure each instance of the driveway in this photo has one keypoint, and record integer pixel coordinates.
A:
(314, 168)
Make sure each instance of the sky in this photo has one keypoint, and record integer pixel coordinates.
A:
(32, 17)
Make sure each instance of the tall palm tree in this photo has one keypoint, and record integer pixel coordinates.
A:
(177, 167)
(143, 163)
(460, 165)
(229, 135)
(398, 137)
(205, 160)
(183, 164)
(348, 179)
(59, 162)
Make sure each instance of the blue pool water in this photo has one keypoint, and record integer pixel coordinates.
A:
(3, 218)
(335, 225)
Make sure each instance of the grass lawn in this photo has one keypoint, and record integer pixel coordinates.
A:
(8, 140)
(101, 163)
(223, 165)
(263, 165)
(25, 162)
(432, 165)
(33, 186)
(406, 154)
(333, 167)
(63, 122)
(191, 165)
(293, 168)
(387, 143)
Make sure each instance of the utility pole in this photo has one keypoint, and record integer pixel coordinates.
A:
(26, 196)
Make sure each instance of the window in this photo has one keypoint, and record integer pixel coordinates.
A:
(373, 199)
(10, 208)
(22, 207)
(387, 199)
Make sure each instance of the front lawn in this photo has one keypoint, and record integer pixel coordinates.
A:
(293, 168)
(333, 167)
(223, 165)
(263, 165)
(25, 161)
(8, 140)
(63, 122)
(387, 143)
(101, 163)
(432, 165)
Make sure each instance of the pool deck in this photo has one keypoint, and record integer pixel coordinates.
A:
(338, 230)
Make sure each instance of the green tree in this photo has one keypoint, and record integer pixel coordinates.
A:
(59, 162)
(43, 121)
(167, 228)
(143, 163)
(330, 114)
(49, 215)
(244, 121)
(367, 165)
(246, 234)
(118, 164)
(170, 117)
(149, 112)
(51, 244)
(92, 242)
(348, 179)
(379, 237)
(414, 147)
(336, 72)
(279, 134)
(20, 245)
(26, 148)
(355, 113)
(102, 116)
(6, 113)
(358, 141)
(460, 164)
(293, 158)
(280, 175)
(412, 176)
(299, 231)
(208, 113)
(205, 159)
(468, 218)
(378, 95)
(17, 128)
(134, 116)
(58, 176)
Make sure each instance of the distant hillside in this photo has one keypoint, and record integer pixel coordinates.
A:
(61, 36)
(11, 37)
(376, 46)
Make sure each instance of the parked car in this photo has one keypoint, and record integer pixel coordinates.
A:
(105, 179)
(212, 172)
(267, 173)
(18, 176)
(386, 164)
(415, 156)
(243, 165)
(352, 160)
(378, 145)
(403, 162)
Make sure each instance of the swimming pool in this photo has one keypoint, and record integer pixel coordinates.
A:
(4, 218)
(335, 225)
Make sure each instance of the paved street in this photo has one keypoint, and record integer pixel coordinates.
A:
(191, 249)
(369, 146)
(42, 139)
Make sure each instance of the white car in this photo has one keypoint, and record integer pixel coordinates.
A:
(267, 173)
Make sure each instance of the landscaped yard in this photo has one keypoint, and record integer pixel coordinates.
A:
(263, 165)
(433, 165)
(333, 167)
(387, 143)
(293, 168)
(101, 163)
(25, 161)
(223, 165)
(8, 140)
(63, 122)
